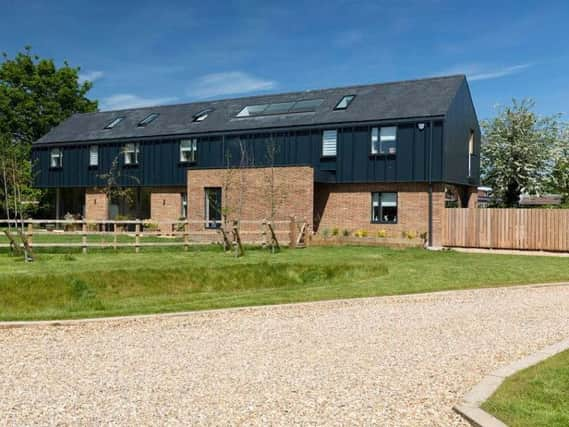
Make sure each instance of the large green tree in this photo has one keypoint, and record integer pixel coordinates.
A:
(35, 95)
(519, 152)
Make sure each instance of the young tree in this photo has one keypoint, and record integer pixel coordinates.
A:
(517, 153)
(35, 95)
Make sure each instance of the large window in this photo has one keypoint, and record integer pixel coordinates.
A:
(213, 207)
(188, 150)
(56, 158)
(289, 107)
(94, 155)
(384, 208)
(131, 153)
(384, 140)
(329, 138)
(470, 152)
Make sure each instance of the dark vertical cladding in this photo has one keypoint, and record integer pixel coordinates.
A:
(460, 121)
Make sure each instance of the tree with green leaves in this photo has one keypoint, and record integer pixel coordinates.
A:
(35, 96)
(519, 152)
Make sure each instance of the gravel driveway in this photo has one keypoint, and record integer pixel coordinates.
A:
(387, 361)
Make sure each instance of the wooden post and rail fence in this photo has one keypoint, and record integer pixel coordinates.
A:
(138, 234)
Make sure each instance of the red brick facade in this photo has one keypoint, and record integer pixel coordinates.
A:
(96, 205)
(166, 204)
(252, 194)
(348, 206)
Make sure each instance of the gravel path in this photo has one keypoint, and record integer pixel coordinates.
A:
(387, 361)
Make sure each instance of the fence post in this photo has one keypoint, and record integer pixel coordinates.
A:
(292, 232)
(84, 236)
(30, 233)
(115, 236)
(186, 235)
(137, 237)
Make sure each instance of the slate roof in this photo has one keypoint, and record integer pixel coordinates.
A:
(397, 100)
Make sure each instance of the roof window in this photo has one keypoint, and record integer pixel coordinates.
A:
(344, 102)
(148, 119)
(202, 115)
(114, 122)
(302, 106)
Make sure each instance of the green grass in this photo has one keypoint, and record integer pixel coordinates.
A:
(104, 283)
(536, 397)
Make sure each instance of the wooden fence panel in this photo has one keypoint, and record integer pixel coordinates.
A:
(530, 229)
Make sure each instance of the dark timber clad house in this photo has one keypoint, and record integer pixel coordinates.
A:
(372, 157)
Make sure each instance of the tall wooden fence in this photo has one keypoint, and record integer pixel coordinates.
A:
(530, 229)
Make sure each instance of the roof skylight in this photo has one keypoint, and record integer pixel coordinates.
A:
(148, 119)
(302, 106)
(202, 115)
(344, 102)
(114, 122)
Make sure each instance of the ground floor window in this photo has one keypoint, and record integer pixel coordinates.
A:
(184, 211)
(213, 207)
(384, 208)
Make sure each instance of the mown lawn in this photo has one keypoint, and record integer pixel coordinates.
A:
(104, 282)
(536, 397)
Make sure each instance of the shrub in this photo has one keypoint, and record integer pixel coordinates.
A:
(360, 233)
(325, 232)
(335, 231)
(345, 232)
(409, 234)
(382, 233)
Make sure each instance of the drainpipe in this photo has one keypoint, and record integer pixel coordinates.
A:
(430, 172)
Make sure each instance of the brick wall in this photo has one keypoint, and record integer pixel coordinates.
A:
(251, 188)
(166, 203)
(348, 206)
(96, 205)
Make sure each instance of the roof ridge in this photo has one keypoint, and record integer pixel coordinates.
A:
(299, 92)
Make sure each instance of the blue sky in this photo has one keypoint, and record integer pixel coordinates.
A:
(146, 53)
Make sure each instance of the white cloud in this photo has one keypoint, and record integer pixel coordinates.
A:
(228, 83)
(122, 101)
(90, 76)
(483, 72)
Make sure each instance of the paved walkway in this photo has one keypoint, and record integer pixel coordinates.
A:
(387, 361)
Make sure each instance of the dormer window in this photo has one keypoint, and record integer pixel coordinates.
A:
(202, 115)
(114, 122)
(344, 102)
(148, 119)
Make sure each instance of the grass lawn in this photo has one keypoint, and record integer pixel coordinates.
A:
(104, 282)
(537, 396)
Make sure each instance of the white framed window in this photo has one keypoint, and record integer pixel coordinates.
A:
(329, 142)
(384, 140)
(470, 152)
(131, 153)
(56, 158)
(184, 205)
(94, 155)
(188, 150)
(384, 208)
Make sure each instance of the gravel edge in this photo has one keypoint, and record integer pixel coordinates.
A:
(71, 322)
(470, 409)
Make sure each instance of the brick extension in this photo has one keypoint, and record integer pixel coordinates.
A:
(293, 192)
(348, 206)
